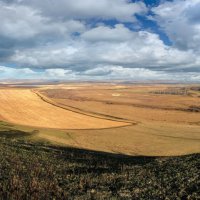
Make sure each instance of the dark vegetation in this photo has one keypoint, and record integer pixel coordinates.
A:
(38, 170)
(172, 91)
(195, 88)
(194, 109)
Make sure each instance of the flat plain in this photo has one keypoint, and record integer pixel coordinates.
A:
(133, 119)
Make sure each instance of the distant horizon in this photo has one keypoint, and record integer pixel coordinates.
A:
(113, 81)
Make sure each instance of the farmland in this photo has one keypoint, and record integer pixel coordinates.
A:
(99, 141)
(116, 118)
(25, 107)
(158, 120)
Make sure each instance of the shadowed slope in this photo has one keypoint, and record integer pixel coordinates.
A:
(42, 171)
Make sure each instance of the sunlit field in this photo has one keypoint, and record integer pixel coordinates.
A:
(82, 138)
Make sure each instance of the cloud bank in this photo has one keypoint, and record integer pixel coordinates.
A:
(100, 40)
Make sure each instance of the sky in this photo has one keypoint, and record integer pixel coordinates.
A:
(100, 40)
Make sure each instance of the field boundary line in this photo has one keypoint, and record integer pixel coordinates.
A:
(47, 100)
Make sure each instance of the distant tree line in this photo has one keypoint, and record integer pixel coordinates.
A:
(172, 91)
(195, 88)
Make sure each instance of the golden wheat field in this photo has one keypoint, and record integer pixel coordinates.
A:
(145, 119)
(23, 106)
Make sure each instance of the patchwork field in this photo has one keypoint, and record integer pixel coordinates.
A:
(151, 119)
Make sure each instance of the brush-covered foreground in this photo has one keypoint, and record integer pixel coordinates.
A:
(38, 170)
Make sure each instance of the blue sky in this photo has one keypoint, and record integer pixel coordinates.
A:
(100, 40)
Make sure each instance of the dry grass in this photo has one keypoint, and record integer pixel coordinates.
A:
(26, 108)
(161, 128)
(33, 168)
